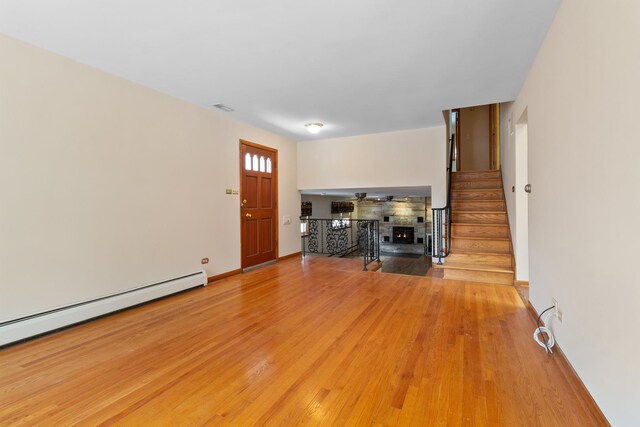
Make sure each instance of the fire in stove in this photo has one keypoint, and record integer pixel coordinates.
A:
(403, 235)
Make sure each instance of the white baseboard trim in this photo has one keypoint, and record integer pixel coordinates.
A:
(29, 326)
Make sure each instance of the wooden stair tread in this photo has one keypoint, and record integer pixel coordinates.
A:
(476, 177)
(478, 205)
(457, 211)
(472, 182)
(480, 237)
(475, 267)
(458, 179)
(463, 251)
(493, 260)
(477, 194)
(472, 179)
(478, 212)
(470, 202)
(476, 189)
(478, 170)
(497, 178)
(473, 224)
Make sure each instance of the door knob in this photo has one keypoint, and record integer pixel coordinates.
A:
(527, 188)
(248, 215)
(243, 203)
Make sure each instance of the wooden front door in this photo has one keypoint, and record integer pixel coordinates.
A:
(258, 203)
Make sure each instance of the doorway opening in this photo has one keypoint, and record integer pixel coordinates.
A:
(477, 142)
(401, 234)
(522, 200)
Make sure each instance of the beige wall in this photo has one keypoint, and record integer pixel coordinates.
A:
(322, 205)
(474, 142)
(508, 163)
(369, 161)
(583, 210)
(107, 185)
(515, 176)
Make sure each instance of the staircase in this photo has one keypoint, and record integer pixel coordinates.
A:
(480, 244)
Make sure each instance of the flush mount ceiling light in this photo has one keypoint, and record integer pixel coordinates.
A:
(314, 127)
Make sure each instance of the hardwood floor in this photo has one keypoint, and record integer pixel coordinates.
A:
(298, 343)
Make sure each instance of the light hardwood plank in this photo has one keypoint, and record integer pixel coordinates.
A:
(312, 342)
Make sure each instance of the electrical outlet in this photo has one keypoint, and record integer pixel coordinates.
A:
(556, 310)
(205, 260)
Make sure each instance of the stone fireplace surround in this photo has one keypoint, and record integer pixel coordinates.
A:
(414, 212)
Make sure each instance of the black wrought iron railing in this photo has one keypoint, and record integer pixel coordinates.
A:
(342, 237)
(442, 216)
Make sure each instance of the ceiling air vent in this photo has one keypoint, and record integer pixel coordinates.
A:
(223, 108)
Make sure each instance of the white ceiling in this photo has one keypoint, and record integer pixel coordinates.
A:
(372, 192)
(359, 66)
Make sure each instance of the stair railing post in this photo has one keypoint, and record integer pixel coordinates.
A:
(366, 249)
(437, 231)
(378, 238)
(448, 247)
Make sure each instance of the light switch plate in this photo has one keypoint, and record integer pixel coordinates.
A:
(286, 219)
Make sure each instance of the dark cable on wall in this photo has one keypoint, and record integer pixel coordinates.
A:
(540, 331)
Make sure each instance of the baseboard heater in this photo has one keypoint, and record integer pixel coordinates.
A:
(39, 323)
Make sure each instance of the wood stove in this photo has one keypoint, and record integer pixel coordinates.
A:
(403, 235)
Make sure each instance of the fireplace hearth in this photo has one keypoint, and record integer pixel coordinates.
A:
(403, 235)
